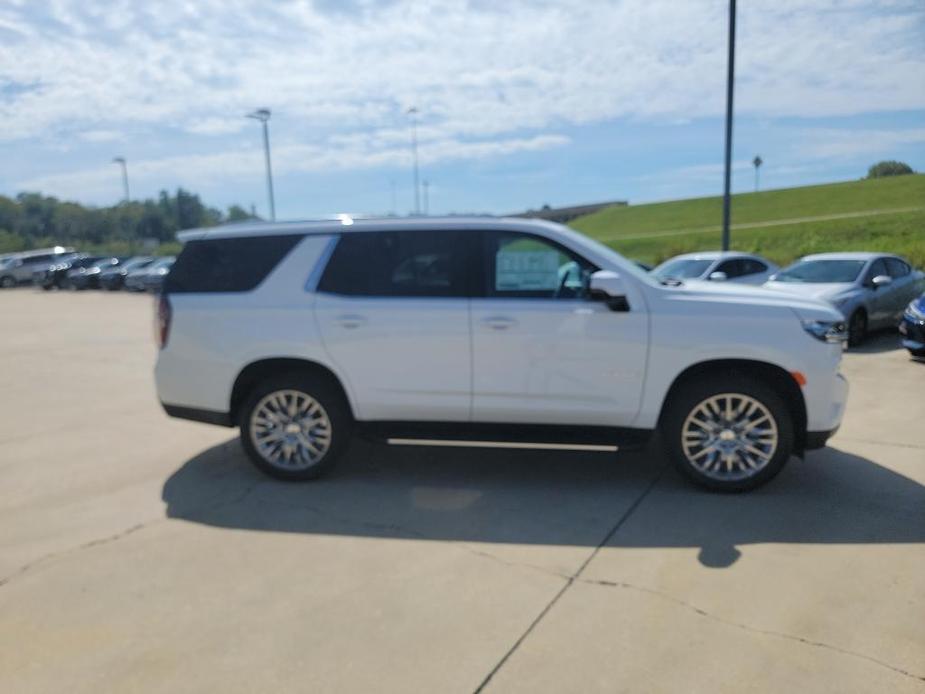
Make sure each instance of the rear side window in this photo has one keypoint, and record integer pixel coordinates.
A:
(227, 265)
(398, 263)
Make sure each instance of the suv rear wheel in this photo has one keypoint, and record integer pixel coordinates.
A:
(294, 426)
(732, 433)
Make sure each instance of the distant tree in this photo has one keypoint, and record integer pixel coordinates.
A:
(889, 168)
(236, 213)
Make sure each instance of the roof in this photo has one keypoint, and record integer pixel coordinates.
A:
(714, 255)
(348, 223)
(859, 255)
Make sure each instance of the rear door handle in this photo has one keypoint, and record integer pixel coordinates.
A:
(499, 322)
(350, 321)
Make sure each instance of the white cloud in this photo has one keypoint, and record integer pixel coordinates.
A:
(821, 143)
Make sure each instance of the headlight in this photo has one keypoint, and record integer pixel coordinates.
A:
(914, 311)
(826, 331)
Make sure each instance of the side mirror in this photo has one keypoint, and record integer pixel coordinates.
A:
(718, 276)
(881, 281)
(608, 286)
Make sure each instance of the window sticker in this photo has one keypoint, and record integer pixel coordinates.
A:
(526, 270)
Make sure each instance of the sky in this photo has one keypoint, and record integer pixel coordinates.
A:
(520, 103)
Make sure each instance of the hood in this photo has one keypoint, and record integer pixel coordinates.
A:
(816, 290)
(805, 306)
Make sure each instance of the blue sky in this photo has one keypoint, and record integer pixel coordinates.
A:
(521, 103)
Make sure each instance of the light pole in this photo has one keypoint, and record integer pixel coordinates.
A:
(730, 78)
(426, 198)
(121, 161)
(757, 161)
(412, 112)
(263, 115)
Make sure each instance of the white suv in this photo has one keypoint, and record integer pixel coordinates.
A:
(486, 332)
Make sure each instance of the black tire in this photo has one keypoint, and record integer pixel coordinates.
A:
(857, 327)
(690, 396)
(324, 393)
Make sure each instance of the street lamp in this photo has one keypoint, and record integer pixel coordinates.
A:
(263, 115)
(730, 75)
(412, 112)
(121, 161)
(757, 161)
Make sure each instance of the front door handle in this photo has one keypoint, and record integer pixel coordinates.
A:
(499, 322)
(350, 321)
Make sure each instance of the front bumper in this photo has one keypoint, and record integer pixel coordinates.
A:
(912, 330)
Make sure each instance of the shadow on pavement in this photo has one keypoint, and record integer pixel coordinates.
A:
(887, 340)
(554, 499)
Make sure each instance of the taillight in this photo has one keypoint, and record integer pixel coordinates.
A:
(162, 321)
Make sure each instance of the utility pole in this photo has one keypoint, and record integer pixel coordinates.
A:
(392, 208)
(263, 115)
(121, 161)
(426, 198)
(412, 112)
(757, 161)
(730, 78)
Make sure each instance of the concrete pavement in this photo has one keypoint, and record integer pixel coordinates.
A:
(139, 553)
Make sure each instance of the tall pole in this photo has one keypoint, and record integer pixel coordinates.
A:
(414, 156)
(730, 78)
(263, 115)
(426, 198)
(392, 207)
(121, 161)
(757, 161)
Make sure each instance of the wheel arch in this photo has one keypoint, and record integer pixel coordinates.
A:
(774, 376)
(255, 372)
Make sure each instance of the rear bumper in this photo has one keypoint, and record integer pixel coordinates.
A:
(222, 419)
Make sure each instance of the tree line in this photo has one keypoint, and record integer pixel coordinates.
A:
(33, 220)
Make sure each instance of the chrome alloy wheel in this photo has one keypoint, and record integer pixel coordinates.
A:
(290, 430)
(729, 436)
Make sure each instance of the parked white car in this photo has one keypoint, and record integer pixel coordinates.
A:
(870, 289)
(717, 266)
(486, 332)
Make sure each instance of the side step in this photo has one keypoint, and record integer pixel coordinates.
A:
(461, 443)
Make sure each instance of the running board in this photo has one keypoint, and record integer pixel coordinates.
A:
(460, 443)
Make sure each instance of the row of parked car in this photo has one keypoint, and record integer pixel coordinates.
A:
(873, 291)
(62, 267)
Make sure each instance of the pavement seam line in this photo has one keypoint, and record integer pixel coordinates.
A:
(570, 581)
(745, 627)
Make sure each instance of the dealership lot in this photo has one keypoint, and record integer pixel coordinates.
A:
(139, 553)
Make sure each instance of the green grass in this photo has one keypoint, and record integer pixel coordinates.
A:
(647, 232)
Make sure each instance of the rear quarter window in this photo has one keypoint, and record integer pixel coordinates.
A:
(227, 265)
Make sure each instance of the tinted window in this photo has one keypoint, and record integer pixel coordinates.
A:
(752, 266)
(822, 271)
(520, 265)
(732, 268)
(897, 268)
(682, 268)
(399, 263)
(227, 265)
(878, 268)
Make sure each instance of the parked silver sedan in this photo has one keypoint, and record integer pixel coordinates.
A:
(870, 289)
(717, 266)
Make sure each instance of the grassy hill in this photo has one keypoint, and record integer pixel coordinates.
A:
(885, 214)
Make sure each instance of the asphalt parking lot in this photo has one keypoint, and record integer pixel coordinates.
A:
(140, 554)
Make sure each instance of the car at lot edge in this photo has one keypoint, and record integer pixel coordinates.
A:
(136, 280)
(114, 278)
(484, 332)
(21, 268)
(88, 276)
(870, 289)
(717, 266)
(56, 276)
(154, 278)
(912, 327)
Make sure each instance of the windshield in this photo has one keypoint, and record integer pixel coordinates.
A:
(136, 264)
(682, 268)
(821, 271)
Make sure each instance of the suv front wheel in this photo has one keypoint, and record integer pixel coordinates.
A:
(731, 433)
(295, 426)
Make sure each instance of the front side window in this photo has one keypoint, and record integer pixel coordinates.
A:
(518, 265)
(878, 268)
(733, 268)
(682, 268)
(897, 268)
(399, 263)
